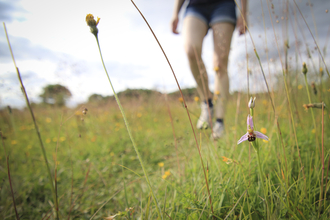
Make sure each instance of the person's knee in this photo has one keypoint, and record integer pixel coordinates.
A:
(220, 65)
(192, 51)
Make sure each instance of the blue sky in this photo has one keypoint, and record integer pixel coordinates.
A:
(52, 44)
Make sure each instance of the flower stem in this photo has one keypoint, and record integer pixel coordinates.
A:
(129, 131)
(256, 147)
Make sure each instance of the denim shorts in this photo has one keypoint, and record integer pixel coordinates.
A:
(211, 13)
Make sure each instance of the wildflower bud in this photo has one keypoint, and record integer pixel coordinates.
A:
(92, 24)
(252, 102)
(321, 71)
(304, 69)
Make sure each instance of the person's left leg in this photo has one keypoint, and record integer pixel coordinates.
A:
(222, 34)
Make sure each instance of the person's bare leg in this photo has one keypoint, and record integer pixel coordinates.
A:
(194, 31)
(222, 34)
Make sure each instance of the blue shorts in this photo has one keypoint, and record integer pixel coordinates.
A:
(211, 13)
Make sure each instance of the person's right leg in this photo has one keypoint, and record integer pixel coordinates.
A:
(194, 31)
(222, 34)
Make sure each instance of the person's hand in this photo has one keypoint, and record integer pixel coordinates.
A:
(240, 25)
(174, 24)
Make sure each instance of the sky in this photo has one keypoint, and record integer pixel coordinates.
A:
(52, 44)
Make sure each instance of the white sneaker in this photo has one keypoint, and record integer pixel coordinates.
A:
(204, 120)
(218, 130)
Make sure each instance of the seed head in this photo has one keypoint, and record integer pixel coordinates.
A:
(304, 69)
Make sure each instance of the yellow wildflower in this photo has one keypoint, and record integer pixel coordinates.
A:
(54, 139)
(216, 68)
(217, 92)
(227, 160)
(112, 154)
(181, 99)
(139, 115)
(13, 142)
(62, 139)
(300, 87)
(313, 131)
(160, 164)
(92, 23)
(196, 98)
(167, 173)
(263, 130)
(48, 120)
(265, 141)
(48, 140)
(164, 176)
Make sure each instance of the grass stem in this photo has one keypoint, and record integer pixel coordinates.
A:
(35, 125)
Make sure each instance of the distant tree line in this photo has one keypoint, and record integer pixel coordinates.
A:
(55, 94)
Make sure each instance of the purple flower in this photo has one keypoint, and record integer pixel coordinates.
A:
(251, 135)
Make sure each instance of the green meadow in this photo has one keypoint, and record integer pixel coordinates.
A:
(138, 154)
(99, 175)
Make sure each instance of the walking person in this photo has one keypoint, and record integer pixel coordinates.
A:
(199, 17)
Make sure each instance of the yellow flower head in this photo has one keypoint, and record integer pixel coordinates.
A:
(227, 160)
(300, 87)
(196, 98)
(216, 68)
(161, 164)
(217, 92)
(164, 176)
(181, 99)
(167, 173)
(263, 130)
(92, 23)
(48, 120)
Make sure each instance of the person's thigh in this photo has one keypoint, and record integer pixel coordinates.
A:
(222, 34)
(194, 31)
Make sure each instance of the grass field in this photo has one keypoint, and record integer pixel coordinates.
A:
(94, 162)
(98, 170)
